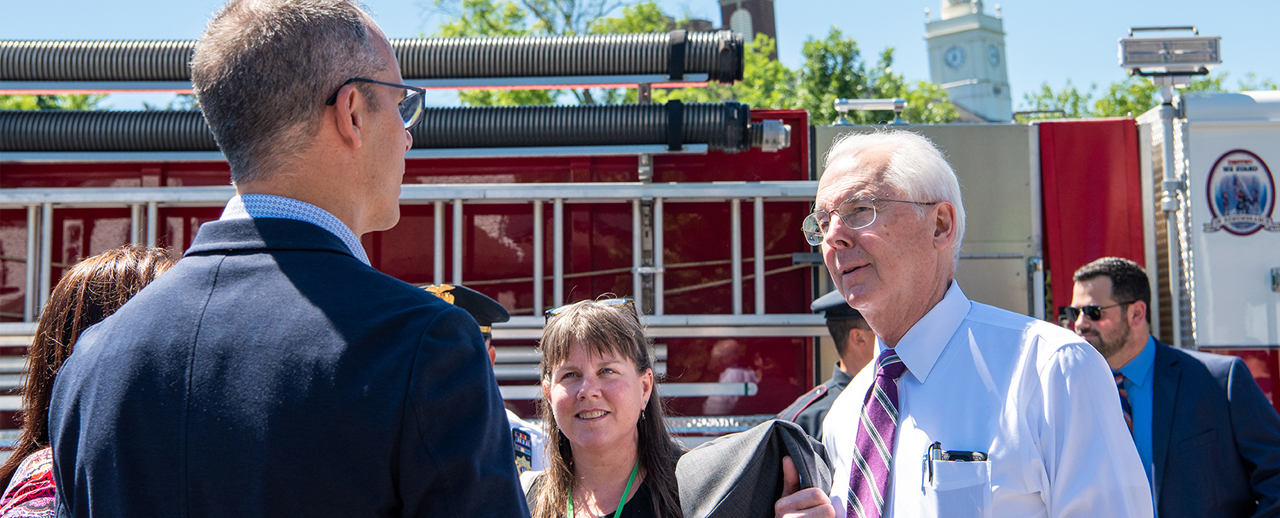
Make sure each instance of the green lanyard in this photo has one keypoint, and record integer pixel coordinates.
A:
(625, 492)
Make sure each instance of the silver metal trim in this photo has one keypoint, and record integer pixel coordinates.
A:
(553, 82)
(758, 237)
(213, 196)
(525, 392)
(457, 241)
(658, 248)
(438, 245)
(735, 245)
(521, 152)
(538, 252)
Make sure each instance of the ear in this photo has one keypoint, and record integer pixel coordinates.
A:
(1137, 313)
(348, 116)
(857, 338)
(944, 224)
(546, 391)
(646, 384)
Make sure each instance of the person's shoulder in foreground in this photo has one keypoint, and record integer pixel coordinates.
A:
(272, 372)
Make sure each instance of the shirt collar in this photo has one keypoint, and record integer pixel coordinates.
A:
(1138, 370)
(841, 377)
(269, 206)
(920, 348)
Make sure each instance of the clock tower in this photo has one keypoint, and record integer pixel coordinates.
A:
(966, 57)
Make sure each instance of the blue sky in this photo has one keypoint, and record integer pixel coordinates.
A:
(1047, 41)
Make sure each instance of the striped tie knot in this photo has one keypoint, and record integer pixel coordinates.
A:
(890, 365)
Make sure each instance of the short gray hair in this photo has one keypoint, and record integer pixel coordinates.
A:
(915, 166)
(263, 69)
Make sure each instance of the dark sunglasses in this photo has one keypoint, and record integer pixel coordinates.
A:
(1093, 311)
(410, 108)
(613, 303)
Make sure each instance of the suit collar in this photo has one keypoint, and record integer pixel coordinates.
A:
(1164, 396)
(264, 234)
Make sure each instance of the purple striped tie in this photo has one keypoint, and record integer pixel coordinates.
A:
(878, 424)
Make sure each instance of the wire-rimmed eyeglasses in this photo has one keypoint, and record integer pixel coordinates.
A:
(411, 107)
(1093, 311)
(613, 303)
(855, 213)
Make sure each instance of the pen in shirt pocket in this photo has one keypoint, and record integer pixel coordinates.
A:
(935, 453)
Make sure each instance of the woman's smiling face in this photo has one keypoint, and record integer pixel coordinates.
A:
(597, 398)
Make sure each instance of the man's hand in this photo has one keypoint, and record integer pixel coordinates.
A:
(810, 503)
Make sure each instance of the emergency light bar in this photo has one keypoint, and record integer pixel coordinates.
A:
(844, 105)
(1176, 56)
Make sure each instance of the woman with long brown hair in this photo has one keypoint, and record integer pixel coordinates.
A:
(608, 447)
(91, 291)
(608, 450)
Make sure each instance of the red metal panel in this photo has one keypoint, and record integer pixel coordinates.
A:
(498, 245)
(13, 264)
(1092, 196)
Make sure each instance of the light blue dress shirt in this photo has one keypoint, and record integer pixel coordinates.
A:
(1138, 374)
(268, 206)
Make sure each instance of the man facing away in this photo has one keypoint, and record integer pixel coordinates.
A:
(273, 372)
(1208, 438)
(855, 346)
(1020, 401)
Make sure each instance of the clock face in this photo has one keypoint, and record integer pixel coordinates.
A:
(954, 57)
(993, 55)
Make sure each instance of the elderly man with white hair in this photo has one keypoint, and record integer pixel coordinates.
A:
(968, 410)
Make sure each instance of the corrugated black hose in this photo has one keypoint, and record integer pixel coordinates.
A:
(723, 127)
(718, 54)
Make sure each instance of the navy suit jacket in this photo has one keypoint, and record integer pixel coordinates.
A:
(270, 373)
(1215, 438)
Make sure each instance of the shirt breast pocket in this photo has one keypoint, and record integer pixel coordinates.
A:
(958, 490)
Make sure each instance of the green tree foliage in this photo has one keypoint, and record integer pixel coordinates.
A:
(636, 19)
(179, 102)
(765, 83)
(1130, 97)
(1071, 101)
(833, 69)
(51, 102)
(833, 65)
(493, 18)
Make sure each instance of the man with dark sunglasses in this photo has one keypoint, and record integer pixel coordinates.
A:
(1208, 438)
(274, 371)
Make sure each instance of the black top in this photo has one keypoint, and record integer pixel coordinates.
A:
(639, 506)
(811, 409)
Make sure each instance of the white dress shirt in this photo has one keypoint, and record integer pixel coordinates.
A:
(1038, 400)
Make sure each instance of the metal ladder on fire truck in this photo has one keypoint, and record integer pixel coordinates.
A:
(648, 203)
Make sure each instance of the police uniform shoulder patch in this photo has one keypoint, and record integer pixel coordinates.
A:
(805, 401)
(524, 450)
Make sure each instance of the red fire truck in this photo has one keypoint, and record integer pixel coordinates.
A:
(693, 210)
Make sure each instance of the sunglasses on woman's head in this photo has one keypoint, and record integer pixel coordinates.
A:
(629, 303)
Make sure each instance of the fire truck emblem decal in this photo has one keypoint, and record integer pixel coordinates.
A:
(1242, 194)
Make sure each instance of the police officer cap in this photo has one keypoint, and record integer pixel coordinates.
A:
(834, 307)
(485, 310)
